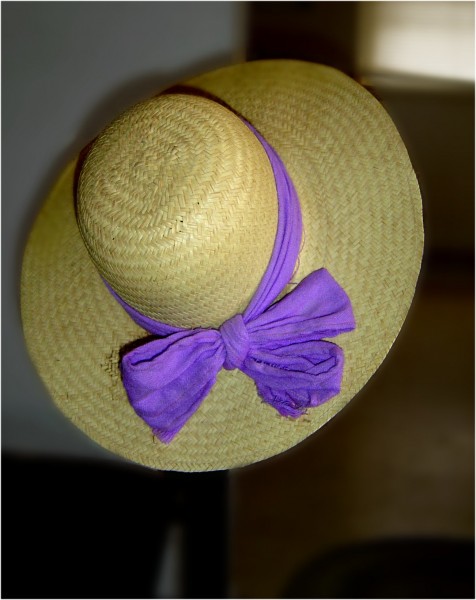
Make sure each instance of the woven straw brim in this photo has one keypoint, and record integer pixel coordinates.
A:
(361, 209)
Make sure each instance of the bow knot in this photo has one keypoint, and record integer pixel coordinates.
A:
(283, 350)
(237, 342)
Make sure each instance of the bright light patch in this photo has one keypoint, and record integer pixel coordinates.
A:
(432, 39)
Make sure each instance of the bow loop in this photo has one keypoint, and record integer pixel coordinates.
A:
(166, 379)
(237, 342)
(293, 365)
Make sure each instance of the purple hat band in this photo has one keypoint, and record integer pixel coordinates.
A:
(280, 346)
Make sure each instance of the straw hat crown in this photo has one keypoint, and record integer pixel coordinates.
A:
(177, 207)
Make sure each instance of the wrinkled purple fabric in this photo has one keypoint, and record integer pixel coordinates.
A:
(280, 346)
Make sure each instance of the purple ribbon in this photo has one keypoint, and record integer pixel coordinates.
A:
(280, 346)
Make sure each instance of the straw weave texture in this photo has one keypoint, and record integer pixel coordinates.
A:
(166, 217)
(171, 257)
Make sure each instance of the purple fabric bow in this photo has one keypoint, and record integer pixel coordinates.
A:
(280, 346)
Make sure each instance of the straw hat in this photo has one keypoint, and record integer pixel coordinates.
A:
(174, 206)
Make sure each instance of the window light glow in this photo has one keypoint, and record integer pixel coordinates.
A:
(432, 39)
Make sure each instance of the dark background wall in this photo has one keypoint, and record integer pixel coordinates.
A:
(394, 470)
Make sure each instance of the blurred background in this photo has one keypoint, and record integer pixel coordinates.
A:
(378, 503)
